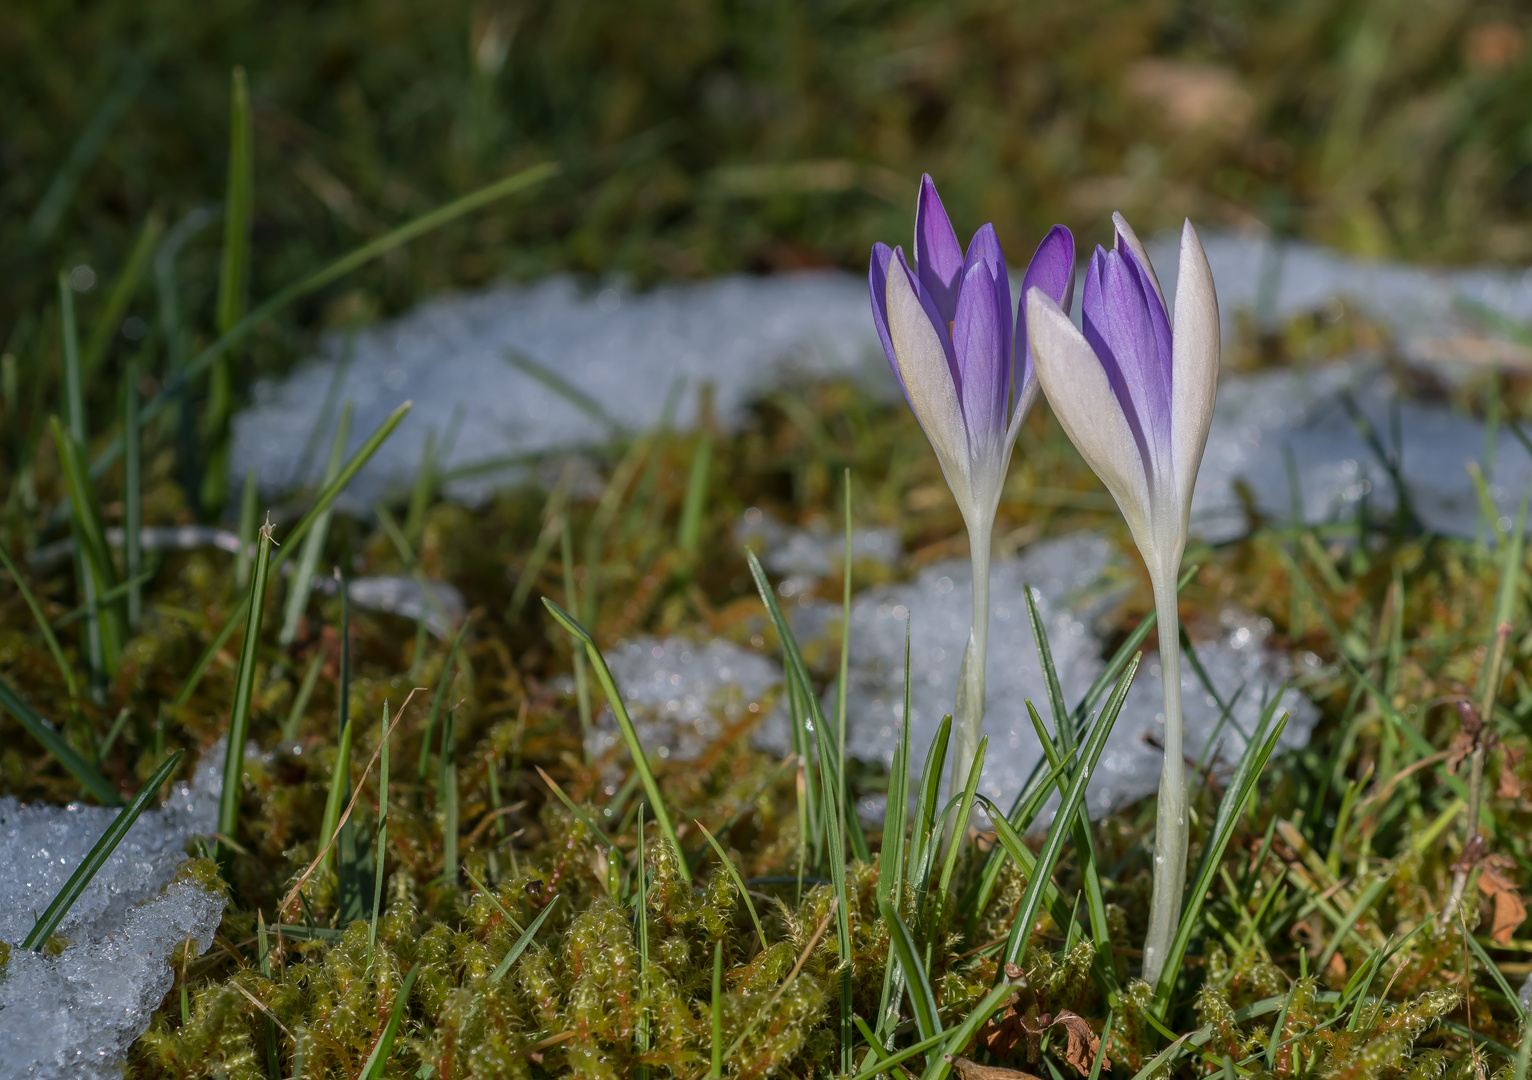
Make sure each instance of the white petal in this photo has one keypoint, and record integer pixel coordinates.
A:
(1126, 236)
(1194, 385)
(928, 381)
(1087, 409)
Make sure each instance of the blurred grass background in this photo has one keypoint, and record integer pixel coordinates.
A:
(701, 137)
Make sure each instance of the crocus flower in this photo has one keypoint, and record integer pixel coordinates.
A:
(1134, 392)
(946, 325)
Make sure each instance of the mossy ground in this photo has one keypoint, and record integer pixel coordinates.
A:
(695, 139)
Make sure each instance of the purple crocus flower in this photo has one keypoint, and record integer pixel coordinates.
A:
(967, 372)
(1134, 391)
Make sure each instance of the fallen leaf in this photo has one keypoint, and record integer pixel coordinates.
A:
(1510, 783)
(1510, 911)
(972, 1070)
(1083, 1045)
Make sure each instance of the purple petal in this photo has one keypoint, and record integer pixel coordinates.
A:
(980, 334)
(938, 258)
(1052, 270)
(1118, 321)
(877, 285)
(984, 249)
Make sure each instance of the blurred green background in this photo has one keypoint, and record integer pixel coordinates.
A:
(699, 137)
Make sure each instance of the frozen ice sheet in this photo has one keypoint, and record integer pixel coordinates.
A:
(74, 1015)
(1262, 419)
(682, 695)
(463, 360)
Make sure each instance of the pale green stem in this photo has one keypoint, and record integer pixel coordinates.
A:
(970, 696)
(1170, 824)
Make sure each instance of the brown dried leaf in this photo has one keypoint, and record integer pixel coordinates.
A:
(972, 1070)
(1510, 783)
(1083, 1045)
(1509, 911)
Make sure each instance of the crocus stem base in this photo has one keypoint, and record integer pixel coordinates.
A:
(969, 714)
(1170, 824)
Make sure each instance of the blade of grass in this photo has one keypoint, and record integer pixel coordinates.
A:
(422, 490)
(446, 797)
(133, 493)
(521, 943)
(65, 671)
(940, 1065)
(111, 734)
(689, 533)
(850, 821)
(244, 690)
(301, 699)
(121, 294)
(322, 503)
(54, 914)
(715, 1072)
(739, 882)
(1090, 753)
(891, 857)
(548, 377)
(263, 961)
(955, 846)
(45, 733)
(238, 206)
(383, 1049)
(422, 763)
(1085, 843)
(380, 844)
(249, 506)
(580, 815)
(359, 256)
(832, 793)
(917, 982)
(641, 921)
(581, 677)
(629, 733)
(313, 543)
(927, 800)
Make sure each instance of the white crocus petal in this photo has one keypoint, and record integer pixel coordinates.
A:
(1088, 410)
(1126, 237)
(928, 381)
(1195, 365)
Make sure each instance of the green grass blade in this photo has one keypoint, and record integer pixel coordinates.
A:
(1153, 1066)
(249, 507)
(313, 544)
(322, 503)
(380, 844)
(244, 689)
(446, 796)
(922, 1000)
(629, 733)
(132, 493)
(852, 823)
(689, 534)
(1241, 786)
(550, 378)
(1090, 752)
(715, 1072)
(424, 487)
(301, 699)
(65, 671)
(955, 847)
(886, 1064)
(521, 943)
(739, 882)
(929, 795)
(580, 815)
(54, 914)
(335, 798)
(239, 197)
(54, 742)
(121, 295)
(891, 857)
(384, 1048)
(940, 1065)
(422, 763)
(1511, 996)
(433, 219)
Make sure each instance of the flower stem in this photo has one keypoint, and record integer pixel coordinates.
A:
(970, 694)
(1170, 824)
